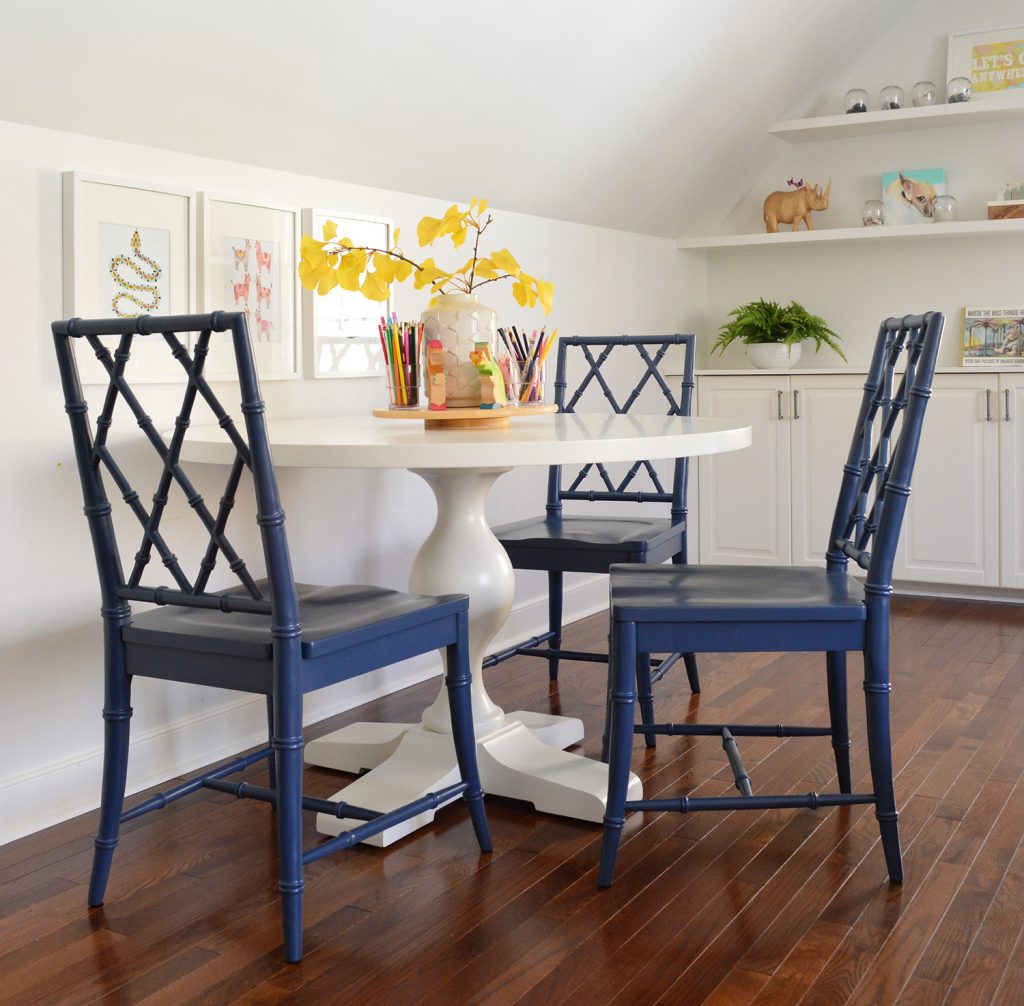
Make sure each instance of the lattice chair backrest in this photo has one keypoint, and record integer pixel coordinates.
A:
(252, 451)
(876, 477)
(651, 351)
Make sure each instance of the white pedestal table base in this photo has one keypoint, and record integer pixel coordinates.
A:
(519, 753)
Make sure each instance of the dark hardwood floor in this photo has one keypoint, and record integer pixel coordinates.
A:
(775, 907)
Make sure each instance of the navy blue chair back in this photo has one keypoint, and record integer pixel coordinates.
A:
(95, 456)
(596, 352)
(876, 477)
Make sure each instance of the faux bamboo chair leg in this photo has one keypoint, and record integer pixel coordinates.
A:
(835, 663)
(117, 714)
(622, 696)
(271, 761)
(690, 662)
(876, 700)
(554, 619)
(457, 680)
(287, 745)
(645, 695)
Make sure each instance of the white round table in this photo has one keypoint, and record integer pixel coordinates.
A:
(520, 753)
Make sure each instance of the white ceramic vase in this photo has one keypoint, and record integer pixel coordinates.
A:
(773, 355)
(460, 321)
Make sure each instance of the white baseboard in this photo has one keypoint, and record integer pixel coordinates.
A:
(73, 784)
(998, 595)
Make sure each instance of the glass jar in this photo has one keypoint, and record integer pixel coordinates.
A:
(856, 100)
(873, 213)
(924, 93)
(958, 90)
(944, 209)
(891, 98)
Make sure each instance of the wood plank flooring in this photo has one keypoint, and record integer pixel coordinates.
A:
(778, 907)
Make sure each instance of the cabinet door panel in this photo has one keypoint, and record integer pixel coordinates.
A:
(824, 411)
(1011, 480)
(744, 495)
(951, 532)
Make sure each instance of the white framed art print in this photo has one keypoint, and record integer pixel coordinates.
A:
(249, 263)
(129, 249)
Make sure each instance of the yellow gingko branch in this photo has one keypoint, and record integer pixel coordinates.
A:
(338, 262)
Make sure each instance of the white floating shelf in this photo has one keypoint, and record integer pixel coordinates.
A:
(834, 127)
(933, 232)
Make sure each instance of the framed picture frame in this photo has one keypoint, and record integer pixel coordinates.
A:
(992, 337)
(908, 196)
(249, 254)
(992, 59)
(341, 338)
(129, 249)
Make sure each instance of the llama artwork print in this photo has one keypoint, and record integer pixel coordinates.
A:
(252, 280)
(134, 262)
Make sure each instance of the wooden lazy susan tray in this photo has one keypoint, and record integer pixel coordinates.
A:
(467, 419)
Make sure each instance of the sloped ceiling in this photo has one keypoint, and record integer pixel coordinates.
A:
(646, 116)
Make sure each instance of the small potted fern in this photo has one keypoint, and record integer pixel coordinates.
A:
(773, 334)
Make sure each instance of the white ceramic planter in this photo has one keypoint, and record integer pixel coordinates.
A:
(773, 355)
(460, 321)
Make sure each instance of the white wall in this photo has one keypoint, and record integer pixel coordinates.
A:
(855, 286)
(343, 526)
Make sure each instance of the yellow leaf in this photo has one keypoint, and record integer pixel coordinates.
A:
(328, 281)
(374, 288)
(427, 230)
(485, 269)
(546, 293)
(398, 234)
(459, 235)
(427, 274)
(402, 270)
(330, 230)
(481, 207)
(352, 266)
(519, 292)
(307, 275)
(505, 261)
(384, 267)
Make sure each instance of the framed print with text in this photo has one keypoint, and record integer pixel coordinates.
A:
(249, 264)
(129, 249)
(341, 338)
(991, 59)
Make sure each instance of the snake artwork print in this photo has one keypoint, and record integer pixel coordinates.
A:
(144, 295)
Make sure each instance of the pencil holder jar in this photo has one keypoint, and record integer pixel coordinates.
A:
(403, 391)
(531, 386)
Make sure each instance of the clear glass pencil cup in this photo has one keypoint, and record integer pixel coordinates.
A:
(403, 389)
(531, 385)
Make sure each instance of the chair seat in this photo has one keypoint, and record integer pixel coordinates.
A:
(589, 544)
(331, 618)
(734, 594)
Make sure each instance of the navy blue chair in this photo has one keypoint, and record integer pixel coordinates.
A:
(742, 608)
(560, 543)
(269, 636)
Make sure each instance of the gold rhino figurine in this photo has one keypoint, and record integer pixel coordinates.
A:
(792, 207)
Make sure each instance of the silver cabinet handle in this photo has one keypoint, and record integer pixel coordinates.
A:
(988, 405)
(796, 404)
(1006, 405)
(781, 416)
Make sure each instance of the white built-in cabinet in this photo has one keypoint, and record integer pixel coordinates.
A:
(773, 503)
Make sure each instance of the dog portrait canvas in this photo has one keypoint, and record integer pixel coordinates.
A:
(909, 196)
